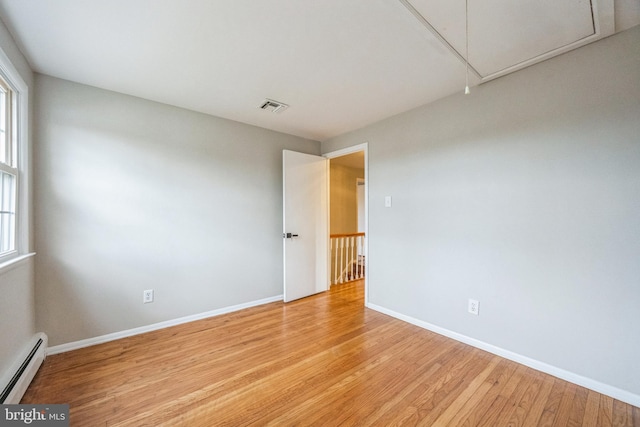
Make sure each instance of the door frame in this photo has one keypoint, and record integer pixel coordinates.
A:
(343, 152)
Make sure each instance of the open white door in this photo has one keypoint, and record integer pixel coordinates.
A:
(305, 224)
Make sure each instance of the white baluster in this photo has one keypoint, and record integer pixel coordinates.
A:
(352, 241)
(331, 245)
(357, 275)
(335, 261)
(341, 257)
(345, 271)
(345, 267)
(361, 258)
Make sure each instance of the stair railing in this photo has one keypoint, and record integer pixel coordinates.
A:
(347, 257)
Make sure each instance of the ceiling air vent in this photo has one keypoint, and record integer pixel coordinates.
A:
(273, 106)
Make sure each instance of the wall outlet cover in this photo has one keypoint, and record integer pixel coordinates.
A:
(474, 306)
(147, 296)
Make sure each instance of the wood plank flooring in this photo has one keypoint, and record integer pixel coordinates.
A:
(320, 361)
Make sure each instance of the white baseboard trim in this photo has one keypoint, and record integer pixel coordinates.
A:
(62, 348)
(16, 380)
(614, 392)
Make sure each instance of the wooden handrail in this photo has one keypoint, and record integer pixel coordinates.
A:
(346, 235)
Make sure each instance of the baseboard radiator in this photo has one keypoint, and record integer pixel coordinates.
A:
(25, 370)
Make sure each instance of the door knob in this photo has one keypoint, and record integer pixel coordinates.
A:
(289, 235)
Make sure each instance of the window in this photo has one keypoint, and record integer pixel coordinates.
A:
(8, 171)
(13, 188)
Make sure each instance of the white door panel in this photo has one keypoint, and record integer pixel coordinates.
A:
(305, 215)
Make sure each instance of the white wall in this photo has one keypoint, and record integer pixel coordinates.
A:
(133, 195)
(17, 316)
(524, 195)
(17, 309)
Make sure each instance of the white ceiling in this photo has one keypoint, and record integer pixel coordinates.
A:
(338, 64)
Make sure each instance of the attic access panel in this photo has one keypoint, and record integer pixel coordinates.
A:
(506, 35)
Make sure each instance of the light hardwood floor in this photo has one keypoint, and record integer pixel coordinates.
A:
(323, 360)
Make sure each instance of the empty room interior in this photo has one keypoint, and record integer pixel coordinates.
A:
(336, 212)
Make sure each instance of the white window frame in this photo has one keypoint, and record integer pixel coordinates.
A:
(21, 109)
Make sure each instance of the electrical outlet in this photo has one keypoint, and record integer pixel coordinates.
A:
(147, 296)
(474, 307)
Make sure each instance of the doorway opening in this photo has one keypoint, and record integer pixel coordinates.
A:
(306, 227)
(348, 215)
